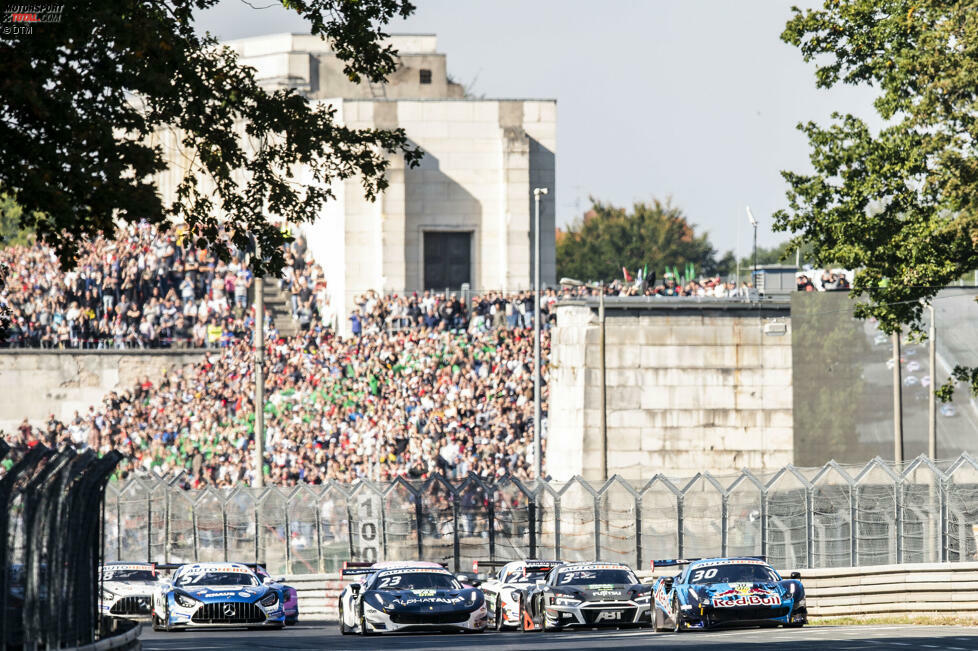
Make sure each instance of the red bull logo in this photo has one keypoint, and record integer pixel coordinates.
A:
(733, 601)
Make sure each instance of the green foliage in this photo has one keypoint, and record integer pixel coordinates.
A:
(11, 233)
(85, 103)
(900, 206)
(607, 238)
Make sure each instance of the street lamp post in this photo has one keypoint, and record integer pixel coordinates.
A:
(259, 377)
(537, 411)
(753, 222)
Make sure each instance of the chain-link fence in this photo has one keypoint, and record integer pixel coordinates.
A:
(833, 516)
(50, 545)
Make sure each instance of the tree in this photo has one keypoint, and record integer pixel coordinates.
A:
(11, 232)
(81, 98)
(597, 246)
(899, 205)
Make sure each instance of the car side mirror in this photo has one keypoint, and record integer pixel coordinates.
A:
(267, 580)
(541, 582)
(355, 588)
(468, 580)
(796, 575)
(667, 582)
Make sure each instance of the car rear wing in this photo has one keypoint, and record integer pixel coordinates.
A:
(529, 565)
(359, 568)
(673, 562)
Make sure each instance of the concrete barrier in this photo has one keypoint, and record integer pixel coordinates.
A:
(872, 590)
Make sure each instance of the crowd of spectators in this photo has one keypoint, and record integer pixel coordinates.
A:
(830, 280)
(454, 396)
(145, 289)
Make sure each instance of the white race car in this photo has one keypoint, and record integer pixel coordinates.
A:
(504, 590)
(408, 596)
(127, 589)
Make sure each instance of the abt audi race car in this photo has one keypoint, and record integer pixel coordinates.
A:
(286, 593)
(727, 592)
(409, 597)
(586, 595)
(503, 592)
(127, 589)
(217, 594)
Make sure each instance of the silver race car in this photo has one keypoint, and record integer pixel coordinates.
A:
(127, 589)
(505, 590)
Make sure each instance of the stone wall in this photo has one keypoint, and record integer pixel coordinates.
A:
(37, 383)
(690, 386)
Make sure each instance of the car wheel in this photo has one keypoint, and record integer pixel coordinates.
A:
(520, 609)
(794, 625)
(677, 626)
(344, 629)
(157, 625)
(657, 620)
(497, 615)
(549, 629)
(364, 631)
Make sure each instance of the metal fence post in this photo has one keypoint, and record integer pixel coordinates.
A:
(853, 539)
(680, 537)
(149, 527)
(257, 533)
(724, 522)
(224, 527)
(810, 525)
(764, 527)
(532, 522)
(557, 526)
(898, 502)
(319, 539)
(455, 541)
(597, 528)
(638, 531)
(118, 527)
(196, 541)
(288, 540)
(418, 521)
(944, 488)
(166, 524)
(491, 514)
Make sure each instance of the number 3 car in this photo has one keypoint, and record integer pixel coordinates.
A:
(586, 595)
(714, 592)
(217, 594)
(409, 597)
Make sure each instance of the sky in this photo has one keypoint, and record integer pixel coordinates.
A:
(691, 100)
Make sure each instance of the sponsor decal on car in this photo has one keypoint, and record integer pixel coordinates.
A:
(609, 615)
(414, 570)
(216, 594)
(660, 596)
(607, 593)
(433, 600)
(747, 600)
(425, 593)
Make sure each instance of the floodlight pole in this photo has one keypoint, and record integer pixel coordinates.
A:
(259, 461)
(537, 411)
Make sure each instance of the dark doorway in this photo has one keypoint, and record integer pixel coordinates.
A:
(447, 259)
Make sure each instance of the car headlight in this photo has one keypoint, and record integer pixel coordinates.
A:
(565, 600)
(378, 600)
(107, 595)
(269, 600)
(185, 601)
(694, 594)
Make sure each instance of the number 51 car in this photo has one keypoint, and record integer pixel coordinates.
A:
(712, 592)
(217, 594)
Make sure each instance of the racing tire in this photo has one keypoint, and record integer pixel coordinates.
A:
(344, 630)
(550, 629)
(677, 626)
(794, 625)
(497, 618)
(657, 627)
(364, 631)
(157, 626)
(291, 621)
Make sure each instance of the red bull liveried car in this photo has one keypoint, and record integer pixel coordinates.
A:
(713, 592)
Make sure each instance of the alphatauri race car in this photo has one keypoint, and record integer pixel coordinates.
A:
(409, 597)
(127, 589)
(217, 594)
(585, 595)
(712, 592)
(503, 590)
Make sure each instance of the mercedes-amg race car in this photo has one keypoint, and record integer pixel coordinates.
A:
(586, 595)
(503, 591)
(713, 592)
(127, 589)
(217, 594)
(408, 597)
(287, 594)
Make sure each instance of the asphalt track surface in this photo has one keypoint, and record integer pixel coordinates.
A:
(322, 635)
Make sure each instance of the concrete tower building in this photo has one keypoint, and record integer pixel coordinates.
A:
(465, 215)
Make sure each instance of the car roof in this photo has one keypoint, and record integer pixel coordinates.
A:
(216, 566)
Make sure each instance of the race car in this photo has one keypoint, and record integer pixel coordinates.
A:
(408, 596)
(713, 592)
(287, 594)
(585, 595)
(127, 589)
(503, 591)
(217, 594)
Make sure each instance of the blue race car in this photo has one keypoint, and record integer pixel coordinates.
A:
(713, 592)
(217, 594)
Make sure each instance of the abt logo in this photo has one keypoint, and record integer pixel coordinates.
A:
(609, 615)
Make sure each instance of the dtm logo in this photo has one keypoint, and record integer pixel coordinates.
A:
(612, 615)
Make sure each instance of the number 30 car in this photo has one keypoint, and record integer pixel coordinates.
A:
(713, 592)
(217, 594)
(588, 595)
(409, 597)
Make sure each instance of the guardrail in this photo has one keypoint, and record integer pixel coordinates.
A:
(833, 516)
(50, 541)
(876, 590)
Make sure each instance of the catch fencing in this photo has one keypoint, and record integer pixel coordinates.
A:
(50, 544)
(833, 516)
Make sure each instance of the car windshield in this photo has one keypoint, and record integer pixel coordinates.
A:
(112, 574)
(217, 578)
(733, 573)
(591, 577)
(416, 581)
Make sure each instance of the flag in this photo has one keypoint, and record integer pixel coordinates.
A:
(628, 278)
